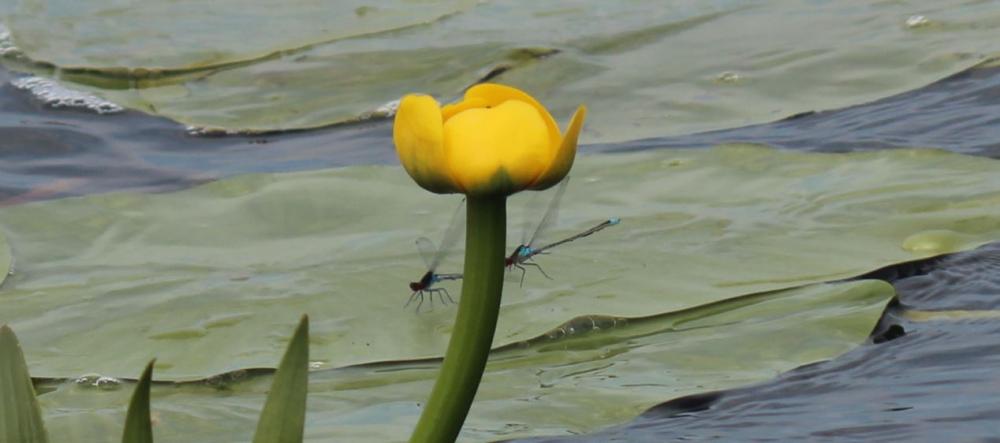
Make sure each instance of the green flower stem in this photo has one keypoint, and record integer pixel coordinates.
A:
(478, 309)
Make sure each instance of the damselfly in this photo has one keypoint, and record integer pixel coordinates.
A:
(432, 258)
(523, 253)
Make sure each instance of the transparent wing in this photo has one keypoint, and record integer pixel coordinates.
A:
(551, 214)
(532, 208)
(427, 250)
(451, 235)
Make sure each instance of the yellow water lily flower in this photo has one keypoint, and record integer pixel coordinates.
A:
(497, 141)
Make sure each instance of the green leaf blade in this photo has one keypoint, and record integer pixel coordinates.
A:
(20, 416)
(138, 427)
(6, 258)
(284, 415)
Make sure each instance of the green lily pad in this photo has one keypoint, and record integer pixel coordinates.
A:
(569, 384)
(643, 69)
(183, 35)
(202, 278)
(329, 87)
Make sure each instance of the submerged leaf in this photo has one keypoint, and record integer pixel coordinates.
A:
(138, 427)
(20, 417)
(283, 418)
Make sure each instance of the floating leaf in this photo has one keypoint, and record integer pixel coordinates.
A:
(149, 35)
(138, 427)
(284, 414)
(645, 71)
(596, 371)
(201, 277)
(20, 417)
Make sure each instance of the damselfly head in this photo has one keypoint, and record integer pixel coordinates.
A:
(614, 220)
(415, 286)
(514, 256)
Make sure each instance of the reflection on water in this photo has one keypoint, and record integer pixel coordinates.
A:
(929, 377)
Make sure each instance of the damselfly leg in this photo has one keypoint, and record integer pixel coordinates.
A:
(446, 294)
(419, 296)
(530, 263)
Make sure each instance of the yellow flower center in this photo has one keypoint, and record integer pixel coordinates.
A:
(509, 141)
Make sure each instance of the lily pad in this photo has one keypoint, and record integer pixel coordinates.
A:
(201, 278)
(324, 87)
(186, 35)
(644, 69)
(566, 385)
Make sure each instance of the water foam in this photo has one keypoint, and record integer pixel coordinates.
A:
(7, 48)
(917, 21)
(58, 96)
(386, 110)
(98, 381)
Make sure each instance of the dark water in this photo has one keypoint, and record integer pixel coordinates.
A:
(916, 380)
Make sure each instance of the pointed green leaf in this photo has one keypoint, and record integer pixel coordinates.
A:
(20, 416)
(284, 414)
(5, 258)
(138, 428)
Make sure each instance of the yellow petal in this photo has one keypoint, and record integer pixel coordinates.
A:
(418, 133)
(450, 110)
(494, 94)
(501, 149)
(563, 160)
